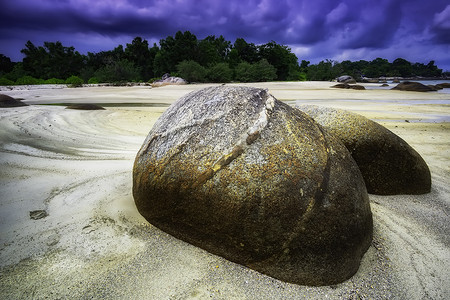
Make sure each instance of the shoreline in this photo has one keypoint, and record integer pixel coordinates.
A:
(76, 165)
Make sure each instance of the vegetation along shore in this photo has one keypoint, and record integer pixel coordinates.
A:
(212, 59)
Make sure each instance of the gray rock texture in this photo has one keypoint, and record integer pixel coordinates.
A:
(240, 174)
(168, 80)
(388, 164)
(346, 79)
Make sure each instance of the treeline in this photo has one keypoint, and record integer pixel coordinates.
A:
(212, 59)
(379, 67)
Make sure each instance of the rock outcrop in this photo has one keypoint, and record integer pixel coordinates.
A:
(168, 80)
(349, 86)
(445, 85)
(346, 79)
(7, 101)
(413, 86)
(388, 164)
(240, 174)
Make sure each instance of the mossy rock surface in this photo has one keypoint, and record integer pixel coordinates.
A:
(388, 164)
(240, 174)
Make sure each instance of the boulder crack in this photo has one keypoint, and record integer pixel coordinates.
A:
(248, 138)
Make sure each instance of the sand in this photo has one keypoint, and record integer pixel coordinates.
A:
(77, 166)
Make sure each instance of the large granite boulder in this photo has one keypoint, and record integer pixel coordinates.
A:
(413, 86)
(388, 164)
(240, 174)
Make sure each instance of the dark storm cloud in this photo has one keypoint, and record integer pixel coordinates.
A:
(319, 27)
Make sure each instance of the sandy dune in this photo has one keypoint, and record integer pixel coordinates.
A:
(76, 165)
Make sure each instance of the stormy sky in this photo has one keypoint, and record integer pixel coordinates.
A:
(315, 30)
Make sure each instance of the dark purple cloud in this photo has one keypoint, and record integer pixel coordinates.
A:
(315, 29)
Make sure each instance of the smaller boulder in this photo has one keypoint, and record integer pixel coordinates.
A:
(384, 85)
(169, 80)
(413, 87)
(8, 101)
(445, 85)
(38, 214)
(348, 86)
(346, 79)
(388, 164)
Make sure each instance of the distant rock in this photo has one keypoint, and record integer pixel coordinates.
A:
(445, 85)
(384, 85)
(371, 80)
(7, 101)
(413, 86)
(388, 164)
(85, 106)
(349, 86)
(169, 80)
(346, 79)
(245, 176)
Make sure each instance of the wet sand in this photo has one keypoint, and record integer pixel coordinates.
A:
(77, 166)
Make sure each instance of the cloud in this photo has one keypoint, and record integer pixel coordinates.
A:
(441, 26)
(328, 27)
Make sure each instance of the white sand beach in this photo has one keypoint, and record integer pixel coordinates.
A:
(77, 166)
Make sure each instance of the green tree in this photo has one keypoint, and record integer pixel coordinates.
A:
(213, 50)
(243, 72)
(16, 72)
(401, 67)
(324, 70)
(174, 50)
(118, 71)
(192, 71)
(27, 80)
(220, 72)
(377, 68)
(245, 51)
(304, 65)
(140, 55)
(233, 58)
(6, 65)
(262, 71)
(432, 70)
(74, 81)
(52, 60)
(281, 57)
